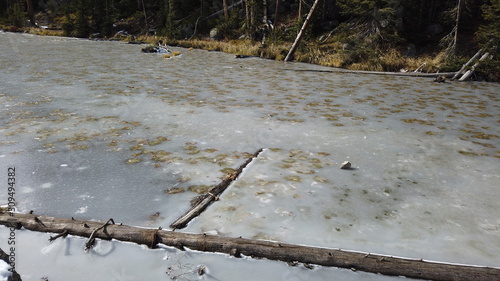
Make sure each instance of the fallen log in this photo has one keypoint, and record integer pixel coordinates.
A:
(367, 262)
(202, 202)
(469, 72)
(388, 73)
(475, 57)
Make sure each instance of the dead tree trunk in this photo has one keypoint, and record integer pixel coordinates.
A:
(301, 32)
(367, 262)
(469, 72)
(276, 13)
(475, 57)
(31, 13)
(224, 4)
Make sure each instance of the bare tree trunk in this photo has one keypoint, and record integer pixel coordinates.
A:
(264, 17)
(31, 13)
(299, 17)
(224, 4)
(301, 32)
(145, 16)
(276, 13)
(452, 38)
(248, 20)
(453, 51)
(367, 262)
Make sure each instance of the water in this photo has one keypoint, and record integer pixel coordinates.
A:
(98, 130)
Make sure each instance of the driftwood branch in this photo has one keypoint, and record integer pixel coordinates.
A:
(90, 242)
(367, 262)
(212, 195)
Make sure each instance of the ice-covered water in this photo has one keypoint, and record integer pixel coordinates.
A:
(98, 130)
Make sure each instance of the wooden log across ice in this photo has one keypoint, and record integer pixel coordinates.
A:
(387, 73)
(212, 195)
(367, 262)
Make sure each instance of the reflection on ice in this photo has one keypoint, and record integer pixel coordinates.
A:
(135, 137)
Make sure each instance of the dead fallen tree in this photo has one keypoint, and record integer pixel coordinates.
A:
(203, 201)
(386, 73)
(367, 262)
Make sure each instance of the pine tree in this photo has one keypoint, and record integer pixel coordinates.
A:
(489, 34)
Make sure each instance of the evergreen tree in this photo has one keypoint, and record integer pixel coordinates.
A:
(81, 24)
(489, 34)
(15, 14)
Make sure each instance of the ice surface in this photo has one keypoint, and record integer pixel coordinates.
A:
(98, 130)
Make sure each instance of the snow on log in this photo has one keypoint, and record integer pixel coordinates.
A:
(367, 262)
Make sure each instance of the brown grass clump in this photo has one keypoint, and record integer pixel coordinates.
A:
(43, 31)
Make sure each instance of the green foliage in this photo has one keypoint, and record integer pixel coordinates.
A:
(229, 27)
(453, 63)
(356, 8)
(489, 34)
(168, 16)
(489, 70)
(15, 15)
(68, 25)
(81, 25)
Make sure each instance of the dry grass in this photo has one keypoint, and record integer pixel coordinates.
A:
(43, 32)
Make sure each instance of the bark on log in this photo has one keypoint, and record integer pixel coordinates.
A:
(212, 195)
(367, 262)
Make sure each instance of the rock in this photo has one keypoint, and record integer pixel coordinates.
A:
(214, 34)
(346, 165)
(440, 79)
(149, 49)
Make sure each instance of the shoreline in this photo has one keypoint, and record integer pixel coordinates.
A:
(246, 48)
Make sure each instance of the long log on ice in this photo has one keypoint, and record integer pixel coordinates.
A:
(205, 200)
(387, 73)
(367, 262)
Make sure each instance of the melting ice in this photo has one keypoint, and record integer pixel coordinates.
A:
(99, 130)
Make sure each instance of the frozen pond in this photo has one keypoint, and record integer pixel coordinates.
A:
(98, 130)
